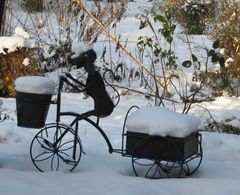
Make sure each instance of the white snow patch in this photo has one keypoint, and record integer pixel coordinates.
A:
(20, 39)
(35, 84)
(79, 48)
(21, 32)
(26, 62)
(162, 121)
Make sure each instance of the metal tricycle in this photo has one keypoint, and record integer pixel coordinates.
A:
(57, 146)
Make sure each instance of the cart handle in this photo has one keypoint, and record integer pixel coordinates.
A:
(124, 124)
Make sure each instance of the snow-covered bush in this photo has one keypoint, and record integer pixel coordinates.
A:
(191, 14)
(16, 59)
(225, 28)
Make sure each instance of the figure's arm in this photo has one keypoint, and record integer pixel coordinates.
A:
(65, 79)
(75, 80)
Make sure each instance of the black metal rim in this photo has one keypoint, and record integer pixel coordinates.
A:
(53, 145)
(188, 168)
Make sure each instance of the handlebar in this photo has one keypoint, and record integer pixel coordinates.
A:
(65, 77)
(73, 79)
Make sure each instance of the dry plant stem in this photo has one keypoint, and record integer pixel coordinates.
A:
(143, 93)
(214, 121)
(165, 85)
(113, 39)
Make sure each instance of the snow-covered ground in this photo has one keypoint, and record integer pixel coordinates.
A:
(102, 173)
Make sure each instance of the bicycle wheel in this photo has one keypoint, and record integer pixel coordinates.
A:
(151, 158)
(56, 147)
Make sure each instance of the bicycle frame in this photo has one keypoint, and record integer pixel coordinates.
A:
(77, 117)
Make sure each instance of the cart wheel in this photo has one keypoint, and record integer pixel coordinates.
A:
(56, 148)
(192, 164)
(152, 158)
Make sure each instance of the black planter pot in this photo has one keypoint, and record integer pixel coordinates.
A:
(32, 109)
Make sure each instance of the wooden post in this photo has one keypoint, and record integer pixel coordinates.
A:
(2, 6)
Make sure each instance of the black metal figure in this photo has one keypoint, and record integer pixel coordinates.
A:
(95, 87)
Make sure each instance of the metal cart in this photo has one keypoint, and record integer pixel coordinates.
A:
(57, 146)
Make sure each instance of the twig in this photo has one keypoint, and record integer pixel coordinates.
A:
(143, 93)
(114, 39)
(214, 121)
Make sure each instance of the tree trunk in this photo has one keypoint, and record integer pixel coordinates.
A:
(2, 5)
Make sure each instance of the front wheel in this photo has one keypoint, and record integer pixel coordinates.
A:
(56, 147)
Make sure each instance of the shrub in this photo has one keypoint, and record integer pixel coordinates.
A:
(13, 65)
(225, 28)
(32, 5)
(191, 14)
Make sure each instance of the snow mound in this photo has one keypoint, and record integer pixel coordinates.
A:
(1, 109)
(161, 121)
(18, 40)
(35, 84)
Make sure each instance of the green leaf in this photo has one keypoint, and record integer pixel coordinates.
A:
(194, 58)
(160, 18)
(211, 53)
(215, 58)
(187, 64)
(216, 44)
(222, 62)
(173, 27)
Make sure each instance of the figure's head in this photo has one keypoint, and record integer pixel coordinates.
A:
(86, 60)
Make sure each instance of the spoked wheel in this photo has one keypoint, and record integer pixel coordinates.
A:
(157, 157)
(191, 164)
(56, 148)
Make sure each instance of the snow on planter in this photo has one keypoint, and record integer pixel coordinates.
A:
(35, 84)
(161, 121)
(33, 98)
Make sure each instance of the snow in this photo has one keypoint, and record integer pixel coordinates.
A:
(1, 109)
(162, 121)
(35, 84)
(21, 32)
(102, 173)
(18, 40)
(26, 61)
(79, 48)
